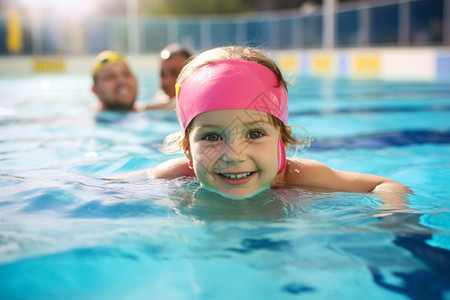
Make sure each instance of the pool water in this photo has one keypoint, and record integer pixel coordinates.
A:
(67, 233)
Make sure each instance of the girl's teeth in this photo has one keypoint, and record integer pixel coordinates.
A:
(237, 176)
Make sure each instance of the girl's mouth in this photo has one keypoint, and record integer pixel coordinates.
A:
(236, 178)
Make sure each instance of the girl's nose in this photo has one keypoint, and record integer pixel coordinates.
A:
(233, 151)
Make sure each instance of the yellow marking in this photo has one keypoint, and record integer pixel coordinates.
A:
(366, 65)
(13, 31)
(289, 63)
(322, 64)
(53, 65)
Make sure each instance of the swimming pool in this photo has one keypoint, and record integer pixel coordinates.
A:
(66, 233)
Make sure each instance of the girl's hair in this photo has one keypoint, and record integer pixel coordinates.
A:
(179, 142)
(230, 52)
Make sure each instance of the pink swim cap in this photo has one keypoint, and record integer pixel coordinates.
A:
(231, 84)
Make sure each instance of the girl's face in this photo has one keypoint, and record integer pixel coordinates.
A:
(234, 152)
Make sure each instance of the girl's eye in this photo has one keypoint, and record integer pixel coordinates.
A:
(254, 134)
(212, 137)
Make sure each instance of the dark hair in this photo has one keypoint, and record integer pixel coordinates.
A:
(175, 50)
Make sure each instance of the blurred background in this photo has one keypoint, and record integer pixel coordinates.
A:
(140, 27)
(145, 26)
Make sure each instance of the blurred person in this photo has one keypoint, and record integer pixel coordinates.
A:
(173, 59)
(114, 83)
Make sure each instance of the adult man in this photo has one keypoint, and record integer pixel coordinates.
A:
(114, 83)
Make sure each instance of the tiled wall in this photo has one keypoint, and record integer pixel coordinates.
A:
(374, 63)
(383, 63)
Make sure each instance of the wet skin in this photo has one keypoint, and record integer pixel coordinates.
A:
(116, 87)
(234, 152)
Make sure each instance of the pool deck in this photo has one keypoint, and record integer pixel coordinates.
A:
(422, 63)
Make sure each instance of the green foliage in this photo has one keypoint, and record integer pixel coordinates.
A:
(190, 7)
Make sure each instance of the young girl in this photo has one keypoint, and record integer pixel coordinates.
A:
(232, 106)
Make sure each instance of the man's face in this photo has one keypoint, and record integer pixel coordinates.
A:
(116, 87)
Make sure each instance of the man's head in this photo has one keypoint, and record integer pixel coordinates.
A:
(173, 59)
(114, 83)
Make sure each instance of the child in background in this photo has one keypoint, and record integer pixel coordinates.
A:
(173, 59)
(232, 106)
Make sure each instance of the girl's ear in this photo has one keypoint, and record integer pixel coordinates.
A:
(289, 130)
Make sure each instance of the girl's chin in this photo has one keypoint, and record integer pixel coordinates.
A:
(237, 195)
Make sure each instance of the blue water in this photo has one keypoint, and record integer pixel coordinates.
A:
(67, 233)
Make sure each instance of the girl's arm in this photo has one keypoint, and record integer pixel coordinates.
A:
(170, 169)
(314, 173)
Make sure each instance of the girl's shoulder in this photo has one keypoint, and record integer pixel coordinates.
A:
(303, 171)
(297, 164)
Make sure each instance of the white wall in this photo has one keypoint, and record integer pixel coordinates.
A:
(377, 63)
